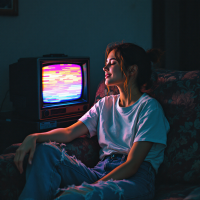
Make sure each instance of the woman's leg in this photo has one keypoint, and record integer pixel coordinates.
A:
(51, 168)
(138, 187)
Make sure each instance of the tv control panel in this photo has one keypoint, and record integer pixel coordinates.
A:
(54, 112)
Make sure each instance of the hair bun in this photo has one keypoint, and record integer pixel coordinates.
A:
(154, 55)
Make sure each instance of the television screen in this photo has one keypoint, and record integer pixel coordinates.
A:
(61, 83)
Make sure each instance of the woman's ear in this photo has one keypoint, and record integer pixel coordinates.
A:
(133, 70)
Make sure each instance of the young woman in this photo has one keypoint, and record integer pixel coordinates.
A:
(131, 130)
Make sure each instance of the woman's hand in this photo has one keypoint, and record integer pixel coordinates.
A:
(28, 145)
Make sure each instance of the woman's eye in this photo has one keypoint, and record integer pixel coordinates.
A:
(113, 63)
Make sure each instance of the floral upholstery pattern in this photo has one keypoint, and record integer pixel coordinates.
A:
(178, 177)
(12, 182)
(177, 192)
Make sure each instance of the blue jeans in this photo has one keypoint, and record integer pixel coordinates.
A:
(52, 168)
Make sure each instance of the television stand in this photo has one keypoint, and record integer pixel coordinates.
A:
(14, 128)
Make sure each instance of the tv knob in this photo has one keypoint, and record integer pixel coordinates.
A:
(46, 113)
(85, 107)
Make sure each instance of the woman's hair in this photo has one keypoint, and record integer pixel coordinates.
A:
(128, 54)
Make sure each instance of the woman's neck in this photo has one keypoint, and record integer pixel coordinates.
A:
(125, 101)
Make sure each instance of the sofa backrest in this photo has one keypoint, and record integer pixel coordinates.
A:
(179, 94)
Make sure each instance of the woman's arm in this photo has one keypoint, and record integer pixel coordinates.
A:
(63, 134)
(136, 156)
(58, 135)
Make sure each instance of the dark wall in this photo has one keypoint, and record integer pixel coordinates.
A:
(176, 30)
(76, 28)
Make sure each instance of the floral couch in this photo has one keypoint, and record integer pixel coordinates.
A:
(178, 177)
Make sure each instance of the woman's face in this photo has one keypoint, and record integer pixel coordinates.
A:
(112, 69)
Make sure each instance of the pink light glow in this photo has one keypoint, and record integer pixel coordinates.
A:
(61, 82)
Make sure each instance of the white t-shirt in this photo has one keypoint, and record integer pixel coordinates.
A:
(117, 128)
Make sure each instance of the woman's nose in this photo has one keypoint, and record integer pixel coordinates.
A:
(105, 68)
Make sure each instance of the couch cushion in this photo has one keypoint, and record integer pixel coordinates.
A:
(12, 182)
(179, 94)
(177, 192)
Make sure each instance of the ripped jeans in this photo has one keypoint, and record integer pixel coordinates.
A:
(52, 168)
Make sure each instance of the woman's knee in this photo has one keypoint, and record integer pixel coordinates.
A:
(47, 148)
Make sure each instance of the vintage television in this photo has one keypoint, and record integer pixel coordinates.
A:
(50, 87)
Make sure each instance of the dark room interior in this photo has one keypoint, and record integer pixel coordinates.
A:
(74, 34)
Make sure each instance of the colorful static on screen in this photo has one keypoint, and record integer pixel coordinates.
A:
(61, 82)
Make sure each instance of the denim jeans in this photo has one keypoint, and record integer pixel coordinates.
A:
(52, 168)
